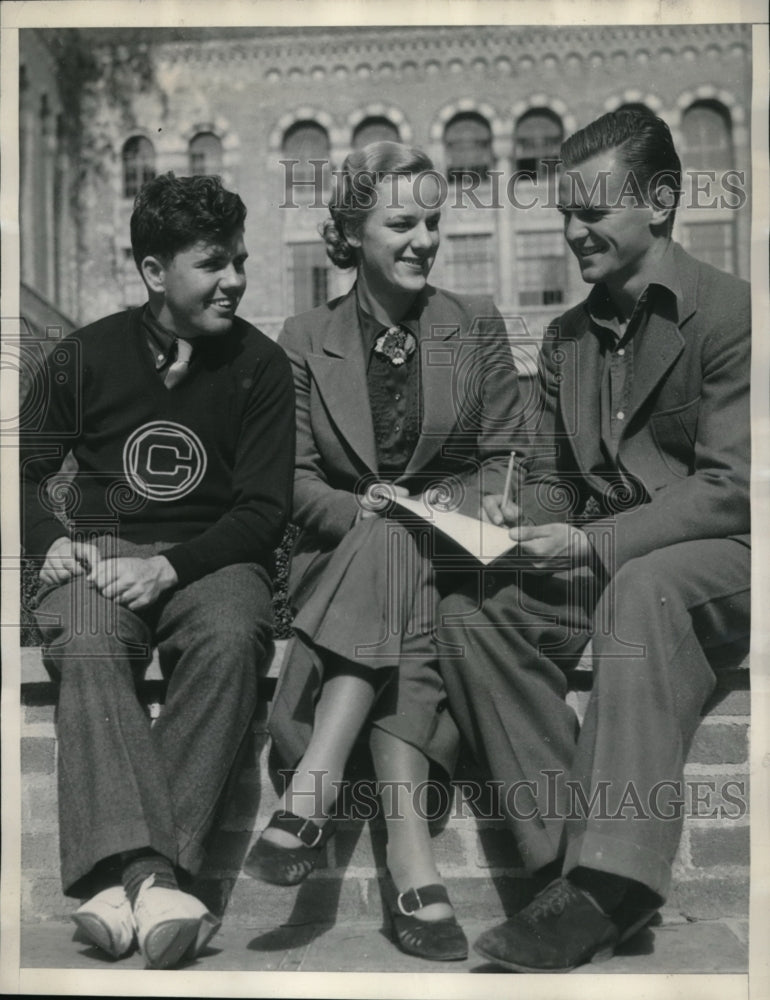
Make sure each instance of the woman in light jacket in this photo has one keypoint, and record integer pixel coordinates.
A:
(401, 388)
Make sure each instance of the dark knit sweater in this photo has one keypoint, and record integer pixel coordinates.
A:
(207, 465)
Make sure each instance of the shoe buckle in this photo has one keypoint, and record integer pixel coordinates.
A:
(410, 897)
(306, 830)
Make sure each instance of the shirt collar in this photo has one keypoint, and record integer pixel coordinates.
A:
(159, 338)
(665, 280)
(371, 328)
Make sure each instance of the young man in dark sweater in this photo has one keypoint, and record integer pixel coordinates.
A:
(180, 417)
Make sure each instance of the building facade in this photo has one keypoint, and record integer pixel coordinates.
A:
(275, 112)
(47, 210)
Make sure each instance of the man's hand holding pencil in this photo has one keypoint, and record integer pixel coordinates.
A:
(548, 544)
(499, 508)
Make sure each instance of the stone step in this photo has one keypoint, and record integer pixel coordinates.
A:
(475, 854)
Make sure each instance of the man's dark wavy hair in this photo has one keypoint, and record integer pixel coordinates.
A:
(173, 213)
(644, 143)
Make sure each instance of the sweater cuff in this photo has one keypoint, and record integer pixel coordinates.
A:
(184, 564)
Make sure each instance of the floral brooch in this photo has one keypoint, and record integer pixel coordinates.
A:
(396, 344)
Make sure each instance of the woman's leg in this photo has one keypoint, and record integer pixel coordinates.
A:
(400, 768)
(342, 709)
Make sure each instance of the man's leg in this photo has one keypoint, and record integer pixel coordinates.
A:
(507, 693)
(676, 603)
(106, 742)
(652, 677)
(213, 636)
(114, 801)
(113, 795)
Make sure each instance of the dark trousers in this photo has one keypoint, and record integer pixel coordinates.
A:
(127, 784)
(651, 630)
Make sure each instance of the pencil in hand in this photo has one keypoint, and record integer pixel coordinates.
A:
(509, 478)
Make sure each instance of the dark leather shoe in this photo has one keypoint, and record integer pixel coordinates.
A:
(560, 929)
(437, 940)
(630, 918)
(288, 865)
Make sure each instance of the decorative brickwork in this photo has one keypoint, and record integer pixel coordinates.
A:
(250, 87)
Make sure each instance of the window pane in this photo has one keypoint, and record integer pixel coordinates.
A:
(540, 268)
(138, 165)
(303, 142)
(469, 264)
(374, 130)
(538, 136)
(205, 154)
(306, 141)
(309, 276)
(707, 137)
(712, 242)
(468, 141)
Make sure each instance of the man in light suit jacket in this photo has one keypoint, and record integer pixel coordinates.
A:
(632, 521)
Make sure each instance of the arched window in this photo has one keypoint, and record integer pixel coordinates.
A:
(374, 130)
(538, 137)
(468, 140)
(138, 164)
(205, 152)
(708, 143)
(304, 142)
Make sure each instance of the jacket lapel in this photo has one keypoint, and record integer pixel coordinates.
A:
(662, 342)
(340, 373)
(658, 348)
(580, 396)
(438, 348)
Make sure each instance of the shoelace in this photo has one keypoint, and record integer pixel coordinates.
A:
(551, 901)
(148, 883)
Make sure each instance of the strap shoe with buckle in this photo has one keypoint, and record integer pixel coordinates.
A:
(282, 865)
(438, 940)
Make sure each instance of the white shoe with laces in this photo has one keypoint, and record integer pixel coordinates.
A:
(106, 921)
(170, 925)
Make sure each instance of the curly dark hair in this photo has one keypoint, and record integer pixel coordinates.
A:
(354, 195)
(172, 213)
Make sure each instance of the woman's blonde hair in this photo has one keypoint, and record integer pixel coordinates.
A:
(354, 196)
